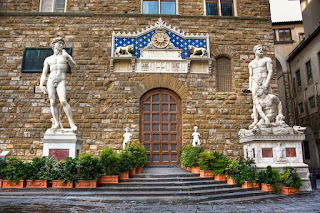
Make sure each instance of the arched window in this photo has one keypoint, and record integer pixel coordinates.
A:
(223, 74)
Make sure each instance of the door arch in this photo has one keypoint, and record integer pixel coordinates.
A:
(160, 126)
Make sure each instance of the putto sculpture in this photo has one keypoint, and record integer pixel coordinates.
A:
(196, 137)
(57, 64)
(126, 137)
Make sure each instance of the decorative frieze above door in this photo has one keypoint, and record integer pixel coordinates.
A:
(160, 49)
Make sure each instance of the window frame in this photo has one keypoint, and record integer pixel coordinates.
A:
(309, 71)
(298, 77)
(313, 103)
(234, 8)
(284, 34)
(53, 6)
(222, 75)
(159, 7)
(301, 108)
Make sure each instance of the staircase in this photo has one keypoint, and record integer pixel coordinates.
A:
(155, 184)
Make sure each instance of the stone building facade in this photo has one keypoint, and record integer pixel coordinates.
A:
(104, 103)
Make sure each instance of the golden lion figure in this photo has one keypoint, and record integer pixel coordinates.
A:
(124, 51)
(195, 51)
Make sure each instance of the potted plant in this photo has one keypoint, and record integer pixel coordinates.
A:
(40, 172)
(110, 161)
(289, 177)
(189, 158)
(269, 179)
(219, 166)
(14, 173)
(232, 170)
(205, 163)
(2, 166)
(89, 169)
(247, 175)
(139, 155)
(65, 173)
(125, 165)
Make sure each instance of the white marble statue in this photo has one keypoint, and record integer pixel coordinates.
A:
(269, 109)
(260, 73)
(124, 51)
(196, 137)
(56, 84)
(126, 137)
(250, 151)
(280, 153)
(197, 52)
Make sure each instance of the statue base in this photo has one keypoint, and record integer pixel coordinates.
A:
(61, 143)
(278, 151)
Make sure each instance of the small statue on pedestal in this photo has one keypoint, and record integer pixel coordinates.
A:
(280, 153)
(196, 137)
(127, 137)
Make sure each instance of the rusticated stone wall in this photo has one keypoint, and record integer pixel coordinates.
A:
(104, 103)
(249, 8)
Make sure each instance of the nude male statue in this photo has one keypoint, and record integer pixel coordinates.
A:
(196, 137)
(127, 137)
(269, 108)
(56, 84)
(260, 73)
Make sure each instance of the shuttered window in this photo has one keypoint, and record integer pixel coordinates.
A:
(224, 75)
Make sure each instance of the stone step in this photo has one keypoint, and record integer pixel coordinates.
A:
(165, 179)
(243, 199)
(163, 188)
(172, 183)
(176, 175)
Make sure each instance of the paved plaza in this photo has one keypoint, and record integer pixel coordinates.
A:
(306, 202)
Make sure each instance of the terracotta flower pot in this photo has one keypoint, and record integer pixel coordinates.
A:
(266, 187)
(37, 184)
(195, 170)
(289, 190)
(189, 169)
(138, 170)
(60, 184)
(248, 185)
(182, 166)
(206, 173)
(133, 171)
(0, 183)
(86, 184)
(106, 179)
(124, 176)
(220, 177)
(231, 181)
(6, 184)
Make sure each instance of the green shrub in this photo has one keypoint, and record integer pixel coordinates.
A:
(138, 154)
(290, 177)
(248, 172)
(125, 165)
(41, 168)
(2, 166)
(233, 169)
(66, 170)
(220, 163)
(111, 161)
(15, 170)
(269, 176)
(205, 161)
(190, 156)
(89, 168)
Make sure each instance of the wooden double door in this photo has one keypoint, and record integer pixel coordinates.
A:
(160, 125)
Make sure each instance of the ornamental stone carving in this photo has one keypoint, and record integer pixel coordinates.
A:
(124, 51)
(197, 52)
(160, 39)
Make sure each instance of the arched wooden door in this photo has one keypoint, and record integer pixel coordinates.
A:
(160, 125)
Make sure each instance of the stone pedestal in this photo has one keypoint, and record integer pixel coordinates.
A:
(61, 143)
(278, 151)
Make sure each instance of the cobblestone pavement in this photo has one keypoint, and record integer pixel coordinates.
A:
(302, 203)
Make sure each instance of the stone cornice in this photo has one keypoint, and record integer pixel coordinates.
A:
(270, 138)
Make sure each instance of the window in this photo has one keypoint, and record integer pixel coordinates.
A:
(301, 109)
(285, 35)
(312, 102)
(309, 70)
(224, 75)
(274, 35)
(219, 7)
(301, 36)
(52, 5)
(298, 78)
(159, 7)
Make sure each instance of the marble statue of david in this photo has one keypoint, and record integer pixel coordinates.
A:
(56, 84)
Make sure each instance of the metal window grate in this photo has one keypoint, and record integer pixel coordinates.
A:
(224, 76)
